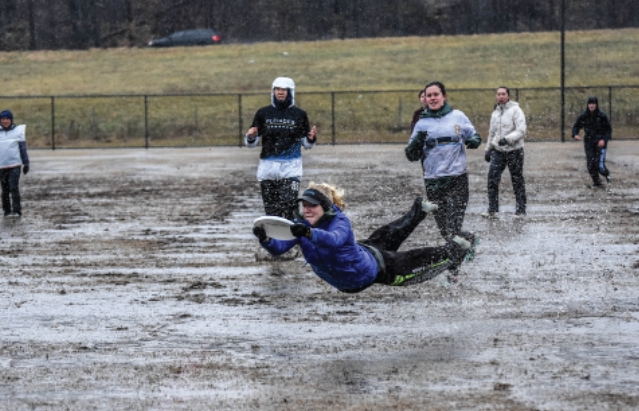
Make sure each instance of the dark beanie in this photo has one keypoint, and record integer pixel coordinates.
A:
(6, 114)
(593, 99)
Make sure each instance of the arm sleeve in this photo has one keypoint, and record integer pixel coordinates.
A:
(257, 122)
(519, 121)
(251, 142)
(278, 247)
(576, 127)
(415, 146)
(335, 237)
(306, 128)
(23, 153)
(492, 130)
(471, 138)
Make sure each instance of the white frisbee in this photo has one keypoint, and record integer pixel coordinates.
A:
(276, 227)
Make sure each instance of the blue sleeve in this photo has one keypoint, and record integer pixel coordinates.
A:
(23, 153)
(279, 247)
(339, 232)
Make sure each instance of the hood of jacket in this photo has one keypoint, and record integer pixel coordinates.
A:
(287, 83)
(428, 113)
(509, 104)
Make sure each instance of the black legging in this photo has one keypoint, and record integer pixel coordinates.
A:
(451, 200)
(280, 197)
(515, 162)
(10, 181)
(596, 159)
(411, 266)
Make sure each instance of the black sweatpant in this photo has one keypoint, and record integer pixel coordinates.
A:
(280, 197)
(10, 182)
(593, 157)
(409, 267)
(451, 199)
(515, 162)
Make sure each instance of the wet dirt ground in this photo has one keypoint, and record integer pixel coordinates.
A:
(133, 282)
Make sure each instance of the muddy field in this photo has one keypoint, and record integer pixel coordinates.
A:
(133, 282)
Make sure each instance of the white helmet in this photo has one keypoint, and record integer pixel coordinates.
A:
(283, 82)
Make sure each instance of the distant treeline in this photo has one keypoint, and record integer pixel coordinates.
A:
(81, 24)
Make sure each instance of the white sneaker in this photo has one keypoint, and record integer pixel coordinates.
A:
(491, 215)
(428, 206)
(463, 243)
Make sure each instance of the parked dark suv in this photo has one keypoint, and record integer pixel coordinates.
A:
(197, 37)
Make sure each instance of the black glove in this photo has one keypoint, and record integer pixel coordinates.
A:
(503, 142)
(430, 143)
(260, 234)
(300, 230)
(487, 156)
(25, 169)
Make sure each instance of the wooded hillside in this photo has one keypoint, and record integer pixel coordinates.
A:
(81, 24)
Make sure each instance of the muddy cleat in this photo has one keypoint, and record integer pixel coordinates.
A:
(428, 206)
(13, 215)
(608, 178)
(519, 216)
(491, 215)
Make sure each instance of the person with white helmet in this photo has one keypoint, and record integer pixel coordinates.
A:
(283, 130)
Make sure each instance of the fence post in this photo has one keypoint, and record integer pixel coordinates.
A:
(239, 119)
(52, 122)
(146, 121)
(610, 102)
(333, 117)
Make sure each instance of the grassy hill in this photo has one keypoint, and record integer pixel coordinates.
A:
(518, 60)
(524, 60)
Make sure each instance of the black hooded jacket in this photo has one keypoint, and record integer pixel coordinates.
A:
(595, 124)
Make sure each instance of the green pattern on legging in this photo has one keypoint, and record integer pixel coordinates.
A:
(399, 279)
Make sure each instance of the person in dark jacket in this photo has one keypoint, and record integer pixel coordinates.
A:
(328, 244)
(597, 134)
(284, 129)
(13, 159)
(417, 114)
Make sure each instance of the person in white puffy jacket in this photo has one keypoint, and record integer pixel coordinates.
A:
(13, 159)
(505, 148)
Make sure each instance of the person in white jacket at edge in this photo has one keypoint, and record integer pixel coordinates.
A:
(283, 129)
(505, 147)
(13, 159)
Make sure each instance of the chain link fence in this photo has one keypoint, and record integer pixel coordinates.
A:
(342, 117)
